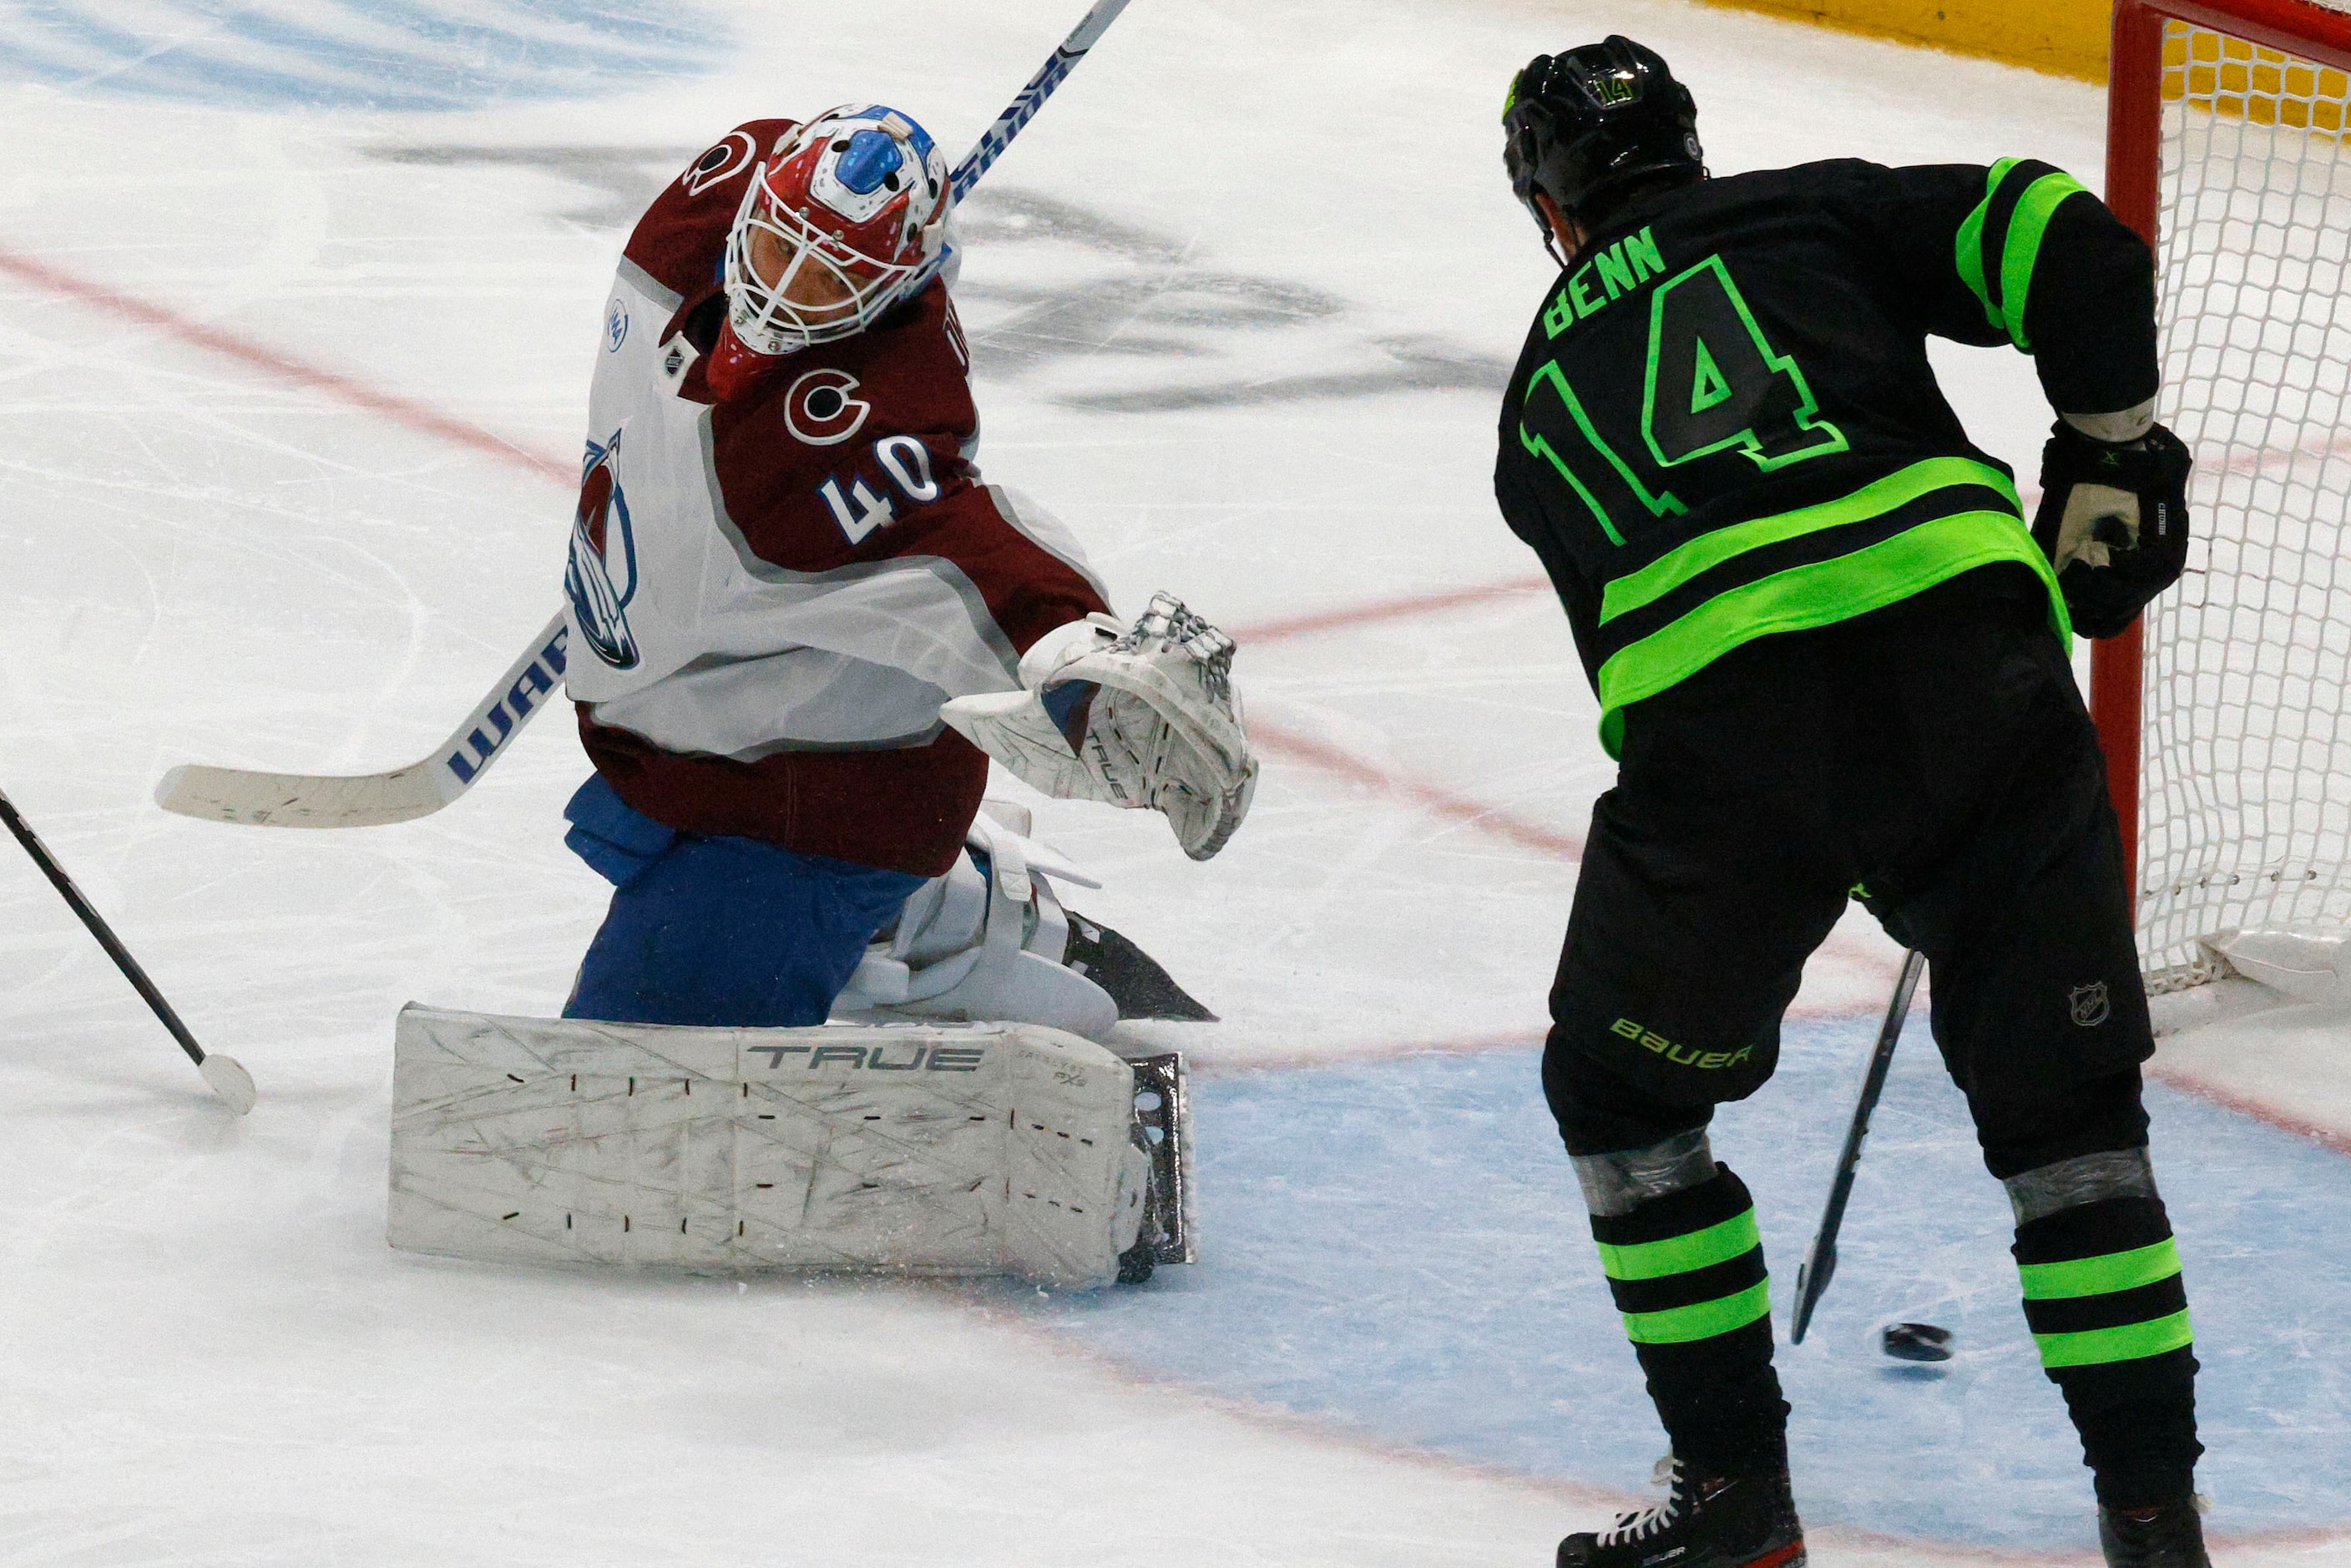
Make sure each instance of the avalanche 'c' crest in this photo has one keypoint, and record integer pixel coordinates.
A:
(602, 575)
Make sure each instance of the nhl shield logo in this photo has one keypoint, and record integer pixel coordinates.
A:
(2090, 1004)
(601, 577)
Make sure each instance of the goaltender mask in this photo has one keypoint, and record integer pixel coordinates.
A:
(1832, 661)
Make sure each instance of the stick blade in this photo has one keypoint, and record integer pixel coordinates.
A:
(229, 1080)
(300, 800)
(373, 800)
(1812, 1278)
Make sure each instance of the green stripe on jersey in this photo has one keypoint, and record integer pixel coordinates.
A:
(2027, 227)
(1968, 250)
(1821, 594)
(1733, 1238)
(1709, 551)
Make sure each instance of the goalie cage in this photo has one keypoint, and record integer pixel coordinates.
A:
(2223, 713)
(937, 1149)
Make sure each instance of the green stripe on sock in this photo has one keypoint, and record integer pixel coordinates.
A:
(1679, 1326)
(2100, 1275)
(2131, 1341)
(1734, 1238)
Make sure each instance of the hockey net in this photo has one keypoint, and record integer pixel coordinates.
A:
(2226, 148)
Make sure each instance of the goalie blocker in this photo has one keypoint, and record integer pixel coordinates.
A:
(973, 1150)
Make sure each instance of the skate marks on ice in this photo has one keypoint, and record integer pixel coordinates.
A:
(277, 363)
(1399, 1248)
(1069, 301)
(1076, 292)
(426, 55)
(622, 180)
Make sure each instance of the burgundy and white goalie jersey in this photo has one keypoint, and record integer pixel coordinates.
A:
(771, 594)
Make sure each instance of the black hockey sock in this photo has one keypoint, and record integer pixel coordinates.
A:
(2105, 1300)
(1687, 1271)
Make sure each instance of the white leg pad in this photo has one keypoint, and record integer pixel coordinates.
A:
(974, 947)
(973, 1149)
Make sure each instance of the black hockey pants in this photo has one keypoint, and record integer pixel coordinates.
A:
(1935, 761)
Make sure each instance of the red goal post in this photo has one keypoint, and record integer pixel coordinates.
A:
(2226, 121)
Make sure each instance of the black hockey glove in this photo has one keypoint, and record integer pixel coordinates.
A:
(2114, 522)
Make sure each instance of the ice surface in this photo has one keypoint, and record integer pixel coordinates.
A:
(1414, 1278)
(415, 55)
(1240, 296)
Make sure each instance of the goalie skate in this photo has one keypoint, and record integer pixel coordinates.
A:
(991, 942)
(929, 1149)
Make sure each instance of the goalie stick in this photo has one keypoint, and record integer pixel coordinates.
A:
(1025, 104)
(431, 783)
(1820, 1264)
(226, 1077)
(370, 800)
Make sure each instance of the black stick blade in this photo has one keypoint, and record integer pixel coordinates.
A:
(1812, 1277)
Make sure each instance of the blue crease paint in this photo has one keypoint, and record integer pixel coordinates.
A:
(1401, 1248)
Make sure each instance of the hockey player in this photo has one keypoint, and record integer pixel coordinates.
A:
(1832, 659)
(787, 582)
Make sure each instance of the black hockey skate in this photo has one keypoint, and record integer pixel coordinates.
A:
(1133, 978)
(2170, 1536)
(1726, 1523)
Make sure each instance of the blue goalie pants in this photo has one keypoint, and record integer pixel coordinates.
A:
(718, 931)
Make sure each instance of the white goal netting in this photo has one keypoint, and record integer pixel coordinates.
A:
(2245, 799)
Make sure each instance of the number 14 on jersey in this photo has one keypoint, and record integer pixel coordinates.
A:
(1713, 383)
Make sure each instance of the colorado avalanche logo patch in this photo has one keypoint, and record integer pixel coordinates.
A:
(601, 577)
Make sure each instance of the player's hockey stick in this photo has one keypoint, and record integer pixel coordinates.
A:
(425, 786)
(228, 1079)
(1820, 1264)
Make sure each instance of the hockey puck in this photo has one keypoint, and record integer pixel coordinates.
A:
(1917, 1341)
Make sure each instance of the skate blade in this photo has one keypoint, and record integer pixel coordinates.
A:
(1133, 979)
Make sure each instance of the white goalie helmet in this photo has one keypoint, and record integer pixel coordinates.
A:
(846, 217)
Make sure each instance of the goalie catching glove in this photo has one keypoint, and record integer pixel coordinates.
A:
(2113, 521)
(1135, 716)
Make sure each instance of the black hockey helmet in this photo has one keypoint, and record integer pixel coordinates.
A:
(1584, 125)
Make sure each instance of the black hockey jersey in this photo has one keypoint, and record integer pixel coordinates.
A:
(1724, 424)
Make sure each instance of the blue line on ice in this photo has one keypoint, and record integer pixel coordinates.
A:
(1400, 1249)
(398, 54)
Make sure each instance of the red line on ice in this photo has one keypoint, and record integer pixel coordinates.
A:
(2244, 1105)
(427, 420)
(1434, 798)
(1393, 610)
(415, 415)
